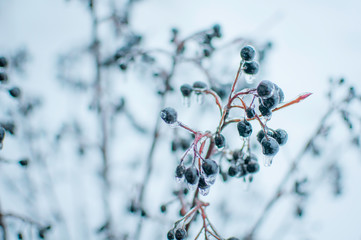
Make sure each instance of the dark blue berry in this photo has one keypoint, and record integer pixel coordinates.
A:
(251, 68)
(15, 92)
(242, 169)
(252, 167)
(202, 183)
(250, 113)
(179, 171)
(260, 135)
(270, 102)
(3, 62)
(232, 171)
(191, 175)
(265, 89)
(250, 158)
(169, 115)
(163, 208)
(248, 53)
(217, 30)
(232, 238)
(24, 162)
(180, 234)
(2, 134)
(270, 146)
(266, 112)
(281, 136)
(186, 90)
(170, 234)
(244, 128)
(3, 77)
(280, 93)
(219, 140)
(210, 167)
(199, 85)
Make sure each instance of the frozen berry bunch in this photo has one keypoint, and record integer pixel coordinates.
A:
(240, 108)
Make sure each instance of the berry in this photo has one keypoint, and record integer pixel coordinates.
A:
(251, 68)
(202, 183)
(232, 171)
(270, 146)
(244, 128)
(170, 234)
(250, 158)
(163, 208)
(270, 102)
(3, 62)
(24, 162)
(217, 30)
(248, 53)
(250, 113)
(252, 167)
(2, 134)
(179, 171)
(281, 136)
(210, 167)
(232, 238)
(280, 93)
(242, 169)
(169, 115)
(186, 90)
(266, 112)
(15, 92)
(260, 135)
(219, 140)
(180, 234)
(199, 85)
(123, 66)
(3, 77)
(265, 89)
(191, 175)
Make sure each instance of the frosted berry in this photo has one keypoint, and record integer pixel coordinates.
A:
(219, 140)
(261, 135)
(170, 234)
(281, 136)
(210, 167)
(280, 93)
(186, 90)
(2, 134)
(3, 77)
(232, 171)
(191, 175)
(248, 53)
(266, 112)
(270, 147)
(169, 115)
(202, 183)
(251, 68)
(199, 85)
(271, 102)
(265, 89)
(217, 30)
(179, 171)
(180, 234)
(163, 208)
(250, 113)
(232, 238)
(252, 167)
(3, 62)
(244, 128)
(15, 92)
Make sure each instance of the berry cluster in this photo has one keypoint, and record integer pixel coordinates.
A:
(203, 169)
